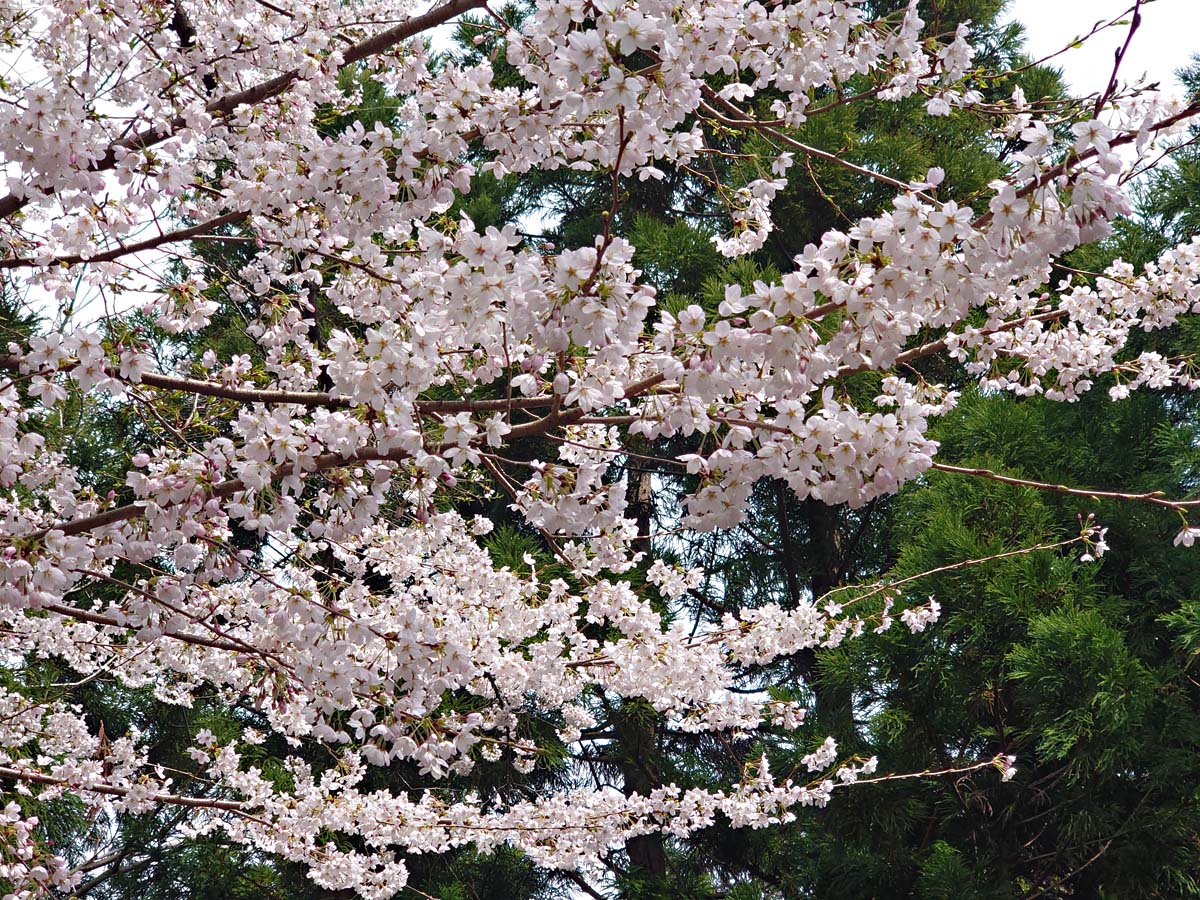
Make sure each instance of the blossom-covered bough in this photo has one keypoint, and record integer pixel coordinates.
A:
(455, 344)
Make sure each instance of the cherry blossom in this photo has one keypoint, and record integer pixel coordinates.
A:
(342, 451)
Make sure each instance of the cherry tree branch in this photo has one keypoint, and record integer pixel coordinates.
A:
(1157, 498)
(933, 347)
(111, 790)
(169, 237)
(949, 567)
(297, 398)
(1119, 56)
(84, 615)
(227, 105)
(327, 461)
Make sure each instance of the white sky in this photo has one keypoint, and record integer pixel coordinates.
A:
(1167, 38)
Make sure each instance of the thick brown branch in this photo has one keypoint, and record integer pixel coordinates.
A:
(318, 398)
(85, 615)
(297, 398)
(170, 237)
(114, 791)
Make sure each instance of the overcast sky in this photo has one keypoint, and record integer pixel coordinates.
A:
(1167, 38)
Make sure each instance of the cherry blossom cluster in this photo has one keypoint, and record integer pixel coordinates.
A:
(372, 620)
(570, 830)
(24, 864)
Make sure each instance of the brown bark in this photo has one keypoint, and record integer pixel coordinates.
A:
(824, 558)
(635, 722)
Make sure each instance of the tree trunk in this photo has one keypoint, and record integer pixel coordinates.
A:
(825, 569)
(636, 721)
